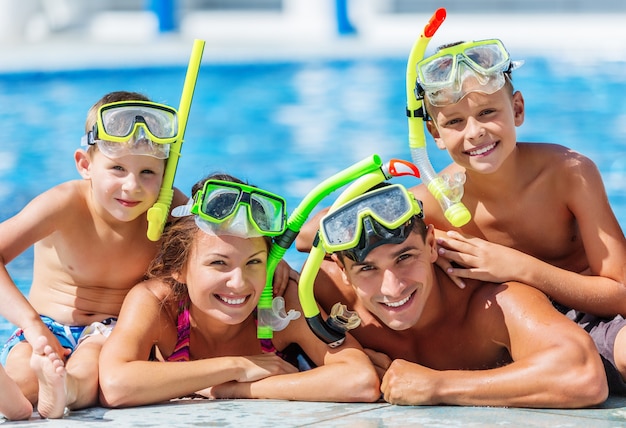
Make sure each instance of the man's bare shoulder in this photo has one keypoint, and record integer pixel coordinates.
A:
(330, 287)
(510, 300)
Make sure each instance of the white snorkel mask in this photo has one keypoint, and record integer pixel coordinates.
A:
(457, 70)
(237, 225)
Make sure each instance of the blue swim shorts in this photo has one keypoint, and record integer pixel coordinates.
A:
(70, 336)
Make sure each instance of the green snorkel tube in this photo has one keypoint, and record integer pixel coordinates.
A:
(447, 190)
(340, 320)
(159, 212)
(268, 319)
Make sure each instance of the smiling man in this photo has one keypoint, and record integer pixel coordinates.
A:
(434, 343)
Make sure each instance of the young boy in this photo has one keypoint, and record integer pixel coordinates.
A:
(90, 248)
(540, 213)
(434, 343)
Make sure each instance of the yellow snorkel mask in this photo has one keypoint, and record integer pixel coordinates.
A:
(447, 190)
(134, 128)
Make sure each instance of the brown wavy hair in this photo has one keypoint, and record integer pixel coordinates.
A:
(177, 240)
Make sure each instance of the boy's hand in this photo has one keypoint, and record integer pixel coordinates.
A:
(447, 267)
(34, 332)
(478, 259)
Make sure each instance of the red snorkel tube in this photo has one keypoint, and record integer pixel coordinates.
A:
(447, 190)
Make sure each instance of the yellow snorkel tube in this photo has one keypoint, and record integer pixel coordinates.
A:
(159, 212)
(448, 191)
(333, 330)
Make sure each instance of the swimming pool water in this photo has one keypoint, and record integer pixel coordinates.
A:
(287, 126)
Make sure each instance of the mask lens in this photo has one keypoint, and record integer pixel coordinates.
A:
(489, 58)
(267, 212)
(439, 71)
(220, 202)
(390, 206)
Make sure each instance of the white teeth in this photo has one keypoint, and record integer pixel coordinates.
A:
(399, 303)
(238, 301)
(482, 150)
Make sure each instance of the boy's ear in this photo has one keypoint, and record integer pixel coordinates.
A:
(518, 108)
(83, 163)
(432, 129)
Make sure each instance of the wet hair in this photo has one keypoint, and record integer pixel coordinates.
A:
(416, 224)
(177, 240)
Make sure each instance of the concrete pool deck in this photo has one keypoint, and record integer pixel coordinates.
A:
(273, 413)
(576, 38)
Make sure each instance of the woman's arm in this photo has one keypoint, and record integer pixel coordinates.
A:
(343, 374)
(127, 378)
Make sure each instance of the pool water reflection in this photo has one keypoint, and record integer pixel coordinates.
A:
(287, 126)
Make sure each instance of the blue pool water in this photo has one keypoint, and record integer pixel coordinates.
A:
(287, 126)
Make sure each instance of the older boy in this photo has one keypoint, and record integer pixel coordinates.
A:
(91, 247)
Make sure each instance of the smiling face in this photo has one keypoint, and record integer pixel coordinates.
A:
(225, 275)
(395, 281)
(124, 188)
(479, 131)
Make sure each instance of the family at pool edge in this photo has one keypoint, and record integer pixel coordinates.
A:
(521, 306)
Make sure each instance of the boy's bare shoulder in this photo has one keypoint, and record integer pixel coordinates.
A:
(562, 164)
(554, 154)
(69, 193)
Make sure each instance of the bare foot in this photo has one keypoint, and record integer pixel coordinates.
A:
(51, 375)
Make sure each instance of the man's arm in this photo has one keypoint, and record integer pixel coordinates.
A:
(555, 363)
